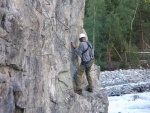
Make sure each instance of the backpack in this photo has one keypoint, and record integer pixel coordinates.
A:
(91, 50)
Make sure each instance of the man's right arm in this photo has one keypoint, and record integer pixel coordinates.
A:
(80, 49)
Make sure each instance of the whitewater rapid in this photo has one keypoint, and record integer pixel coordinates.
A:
(130, 103)
(128, 90)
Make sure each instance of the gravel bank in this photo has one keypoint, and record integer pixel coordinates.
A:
(121, 82)
(109, 78)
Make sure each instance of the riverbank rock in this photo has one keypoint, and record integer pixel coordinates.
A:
(121, 82)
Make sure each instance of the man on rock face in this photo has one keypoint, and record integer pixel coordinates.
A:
(84, 52)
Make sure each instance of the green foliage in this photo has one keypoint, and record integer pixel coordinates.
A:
(123, 65)
(118, 29)
(4, 14)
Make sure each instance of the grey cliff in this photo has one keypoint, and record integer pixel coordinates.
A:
(37, 63)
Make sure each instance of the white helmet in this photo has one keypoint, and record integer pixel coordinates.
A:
(82, 35)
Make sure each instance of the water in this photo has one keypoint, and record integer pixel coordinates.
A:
(130, 103)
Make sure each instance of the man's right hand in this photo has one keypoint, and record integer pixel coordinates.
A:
(73, 45)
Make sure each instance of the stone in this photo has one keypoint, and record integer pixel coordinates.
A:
(37, 63)
(128, 81)
(3, 33)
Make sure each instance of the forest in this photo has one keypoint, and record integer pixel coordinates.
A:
(119, 32)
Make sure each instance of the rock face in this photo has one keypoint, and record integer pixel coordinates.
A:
(37, 64)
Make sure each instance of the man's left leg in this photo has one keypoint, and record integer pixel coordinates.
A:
(88, 76)
(78, 79)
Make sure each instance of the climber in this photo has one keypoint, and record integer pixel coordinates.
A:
(85, 51)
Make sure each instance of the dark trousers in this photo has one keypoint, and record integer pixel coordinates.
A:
(79, 75)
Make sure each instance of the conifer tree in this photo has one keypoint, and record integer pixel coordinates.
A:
(118, 29)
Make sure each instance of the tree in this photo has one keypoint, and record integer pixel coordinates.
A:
(117, 28)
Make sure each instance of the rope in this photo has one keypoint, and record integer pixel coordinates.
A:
(62, 23)
(62, 42)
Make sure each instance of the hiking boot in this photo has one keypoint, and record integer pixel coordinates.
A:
(89, 90)
(79, 92)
